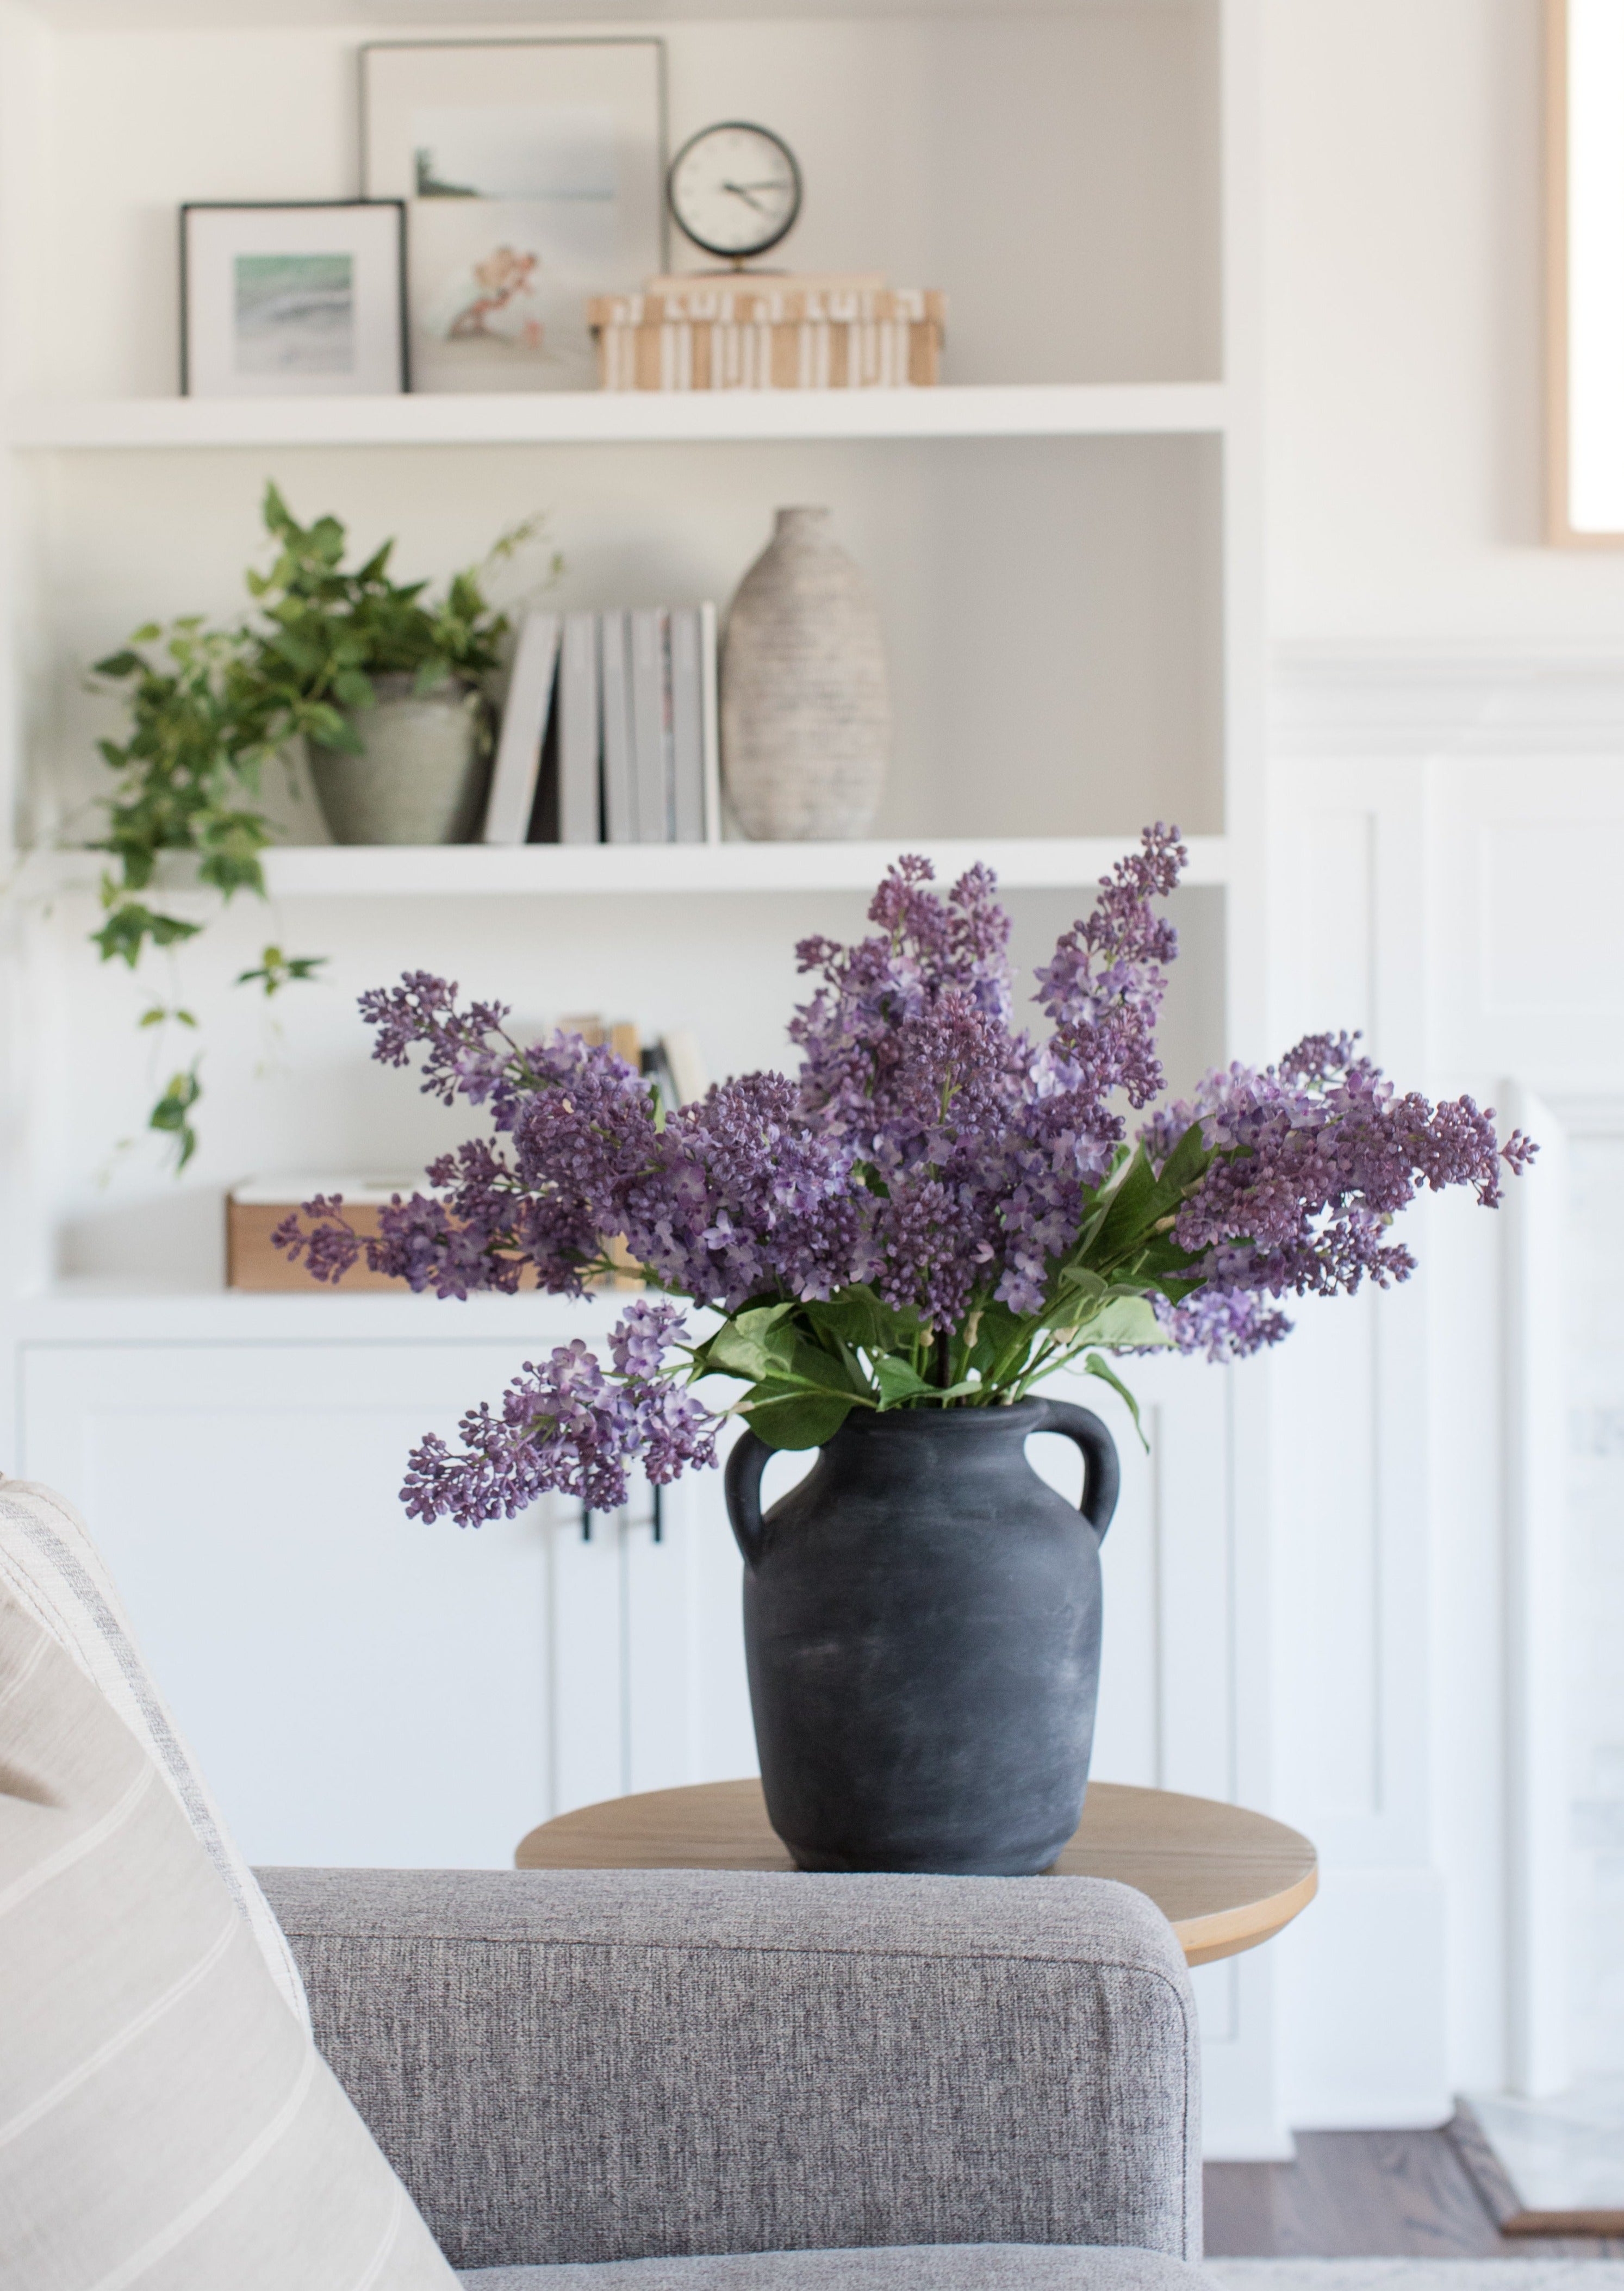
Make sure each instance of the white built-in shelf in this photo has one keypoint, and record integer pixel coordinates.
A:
(360, 871)
(628, 417)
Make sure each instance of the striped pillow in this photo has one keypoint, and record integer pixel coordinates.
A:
(50, 1566)
(163, 2120)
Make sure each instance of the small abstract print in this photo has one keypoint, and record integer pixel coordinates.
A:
(294, 314)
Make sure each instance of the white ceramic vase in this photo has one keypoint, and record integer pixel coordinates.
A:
(806, 708)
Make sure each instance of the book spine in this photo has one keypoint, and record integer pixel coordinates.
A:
(688, 726)
(710, 705)
(650, 723)
(579, 794)
(523, 720)
(619, 770)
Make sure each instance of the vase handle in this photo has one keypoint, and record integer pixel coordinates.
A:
(1102, 1472)
(742, 1485)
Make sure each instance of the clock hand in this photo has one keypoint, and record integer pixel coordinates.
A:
(743, 191)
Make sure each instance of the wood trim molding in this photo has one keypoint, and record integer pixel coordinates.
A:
(1374, 701)
(1558, 530)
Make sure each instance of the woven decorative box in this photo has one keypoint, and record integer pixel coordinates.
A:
(777, 337)
(257, 1207)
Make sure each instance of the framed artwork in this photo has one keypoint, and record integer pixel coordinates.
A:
(535, 174)
(300, 299)
(1585, 273)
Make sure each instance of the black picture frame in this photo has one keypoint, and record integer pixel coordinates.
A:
(191, 207)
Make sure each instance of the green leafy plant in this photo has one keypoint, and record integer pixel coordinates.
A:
(211, 710)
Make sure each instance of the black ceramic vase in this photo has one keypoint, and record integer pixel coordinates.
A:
(921, 1626)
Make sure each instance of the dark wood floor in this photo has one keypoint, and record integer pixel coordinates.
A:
(1375, 2195)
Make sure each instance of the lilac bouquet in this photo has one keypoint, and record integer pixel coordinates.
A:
(937, 1211)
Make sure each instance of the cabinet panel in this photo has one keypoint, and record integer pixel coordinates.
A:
(359, 1687)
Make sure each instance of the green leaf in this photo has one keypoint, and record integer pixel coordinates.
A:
(1184, 1164)
(1132, 1210)
(1124, 1322)
(1095, 1366)
(856, 1315)
(747, 1345)
(171, 1115)
(277, 971)
(897, 1381)
(787, 1419)
(227, 872)
(129, 927)
(996, 1331)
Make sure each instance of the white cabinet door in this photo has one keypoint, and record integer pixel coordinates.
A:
(359, 1687)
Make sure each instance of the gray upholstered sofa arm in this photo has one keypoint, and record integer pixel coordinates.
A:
(602, 2064)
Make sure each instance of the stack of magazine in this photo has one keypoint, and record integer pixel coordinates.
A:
(609, 731)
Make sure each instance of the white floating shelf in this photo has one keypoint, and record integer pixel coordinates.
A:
(473, 870)
(629, 417)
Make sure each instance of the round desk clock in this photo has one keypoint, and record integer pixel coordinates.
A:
(734, 190)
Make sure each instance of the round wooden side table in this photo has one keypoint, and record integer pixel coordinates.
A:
(1223, 1877)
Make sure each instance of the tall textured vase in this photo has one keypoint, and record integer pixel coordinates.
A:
(806, 708)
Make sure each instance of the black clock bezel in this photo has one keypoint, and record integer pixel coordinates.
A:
(762, 246)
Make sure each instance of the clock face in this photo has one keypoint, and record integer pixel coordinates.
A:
(734, 190)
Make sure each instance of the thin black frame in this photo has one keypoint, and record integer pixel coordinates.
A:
(608, 40)
(282, 206)
(732, 254)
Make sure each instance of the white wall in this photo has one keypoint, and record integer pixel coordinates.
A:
(1449, 741)
(1402, 170)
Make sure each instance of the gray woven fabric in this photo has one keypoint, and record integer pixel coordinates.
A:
(592, 2065)
(954, 2267)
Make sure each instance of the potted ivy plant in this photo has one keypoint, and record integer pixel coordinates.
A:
(372, 677)
(389, 689)
(901, 1243)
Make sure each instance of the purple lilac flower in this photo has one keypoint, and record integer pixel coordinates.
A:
(926, 1147)
(570, 1426)
(1315, 1158)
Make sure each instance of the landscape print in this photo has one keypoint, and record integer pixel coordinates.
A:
(294, 314)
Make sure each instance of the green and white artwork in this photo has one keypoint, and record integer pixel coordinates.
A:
(294, 314)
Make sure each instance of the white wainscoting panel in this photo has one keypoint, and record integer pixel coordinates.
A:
(362, 1688)
(1447, 831)
(359, 1687)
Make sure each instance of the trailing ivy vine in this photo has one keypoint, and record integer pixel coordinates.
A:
(211, 709)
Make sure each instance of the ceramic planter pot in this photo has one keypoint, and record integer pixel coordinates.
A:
(421, 776)
(921, 1628)
(806, 710)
